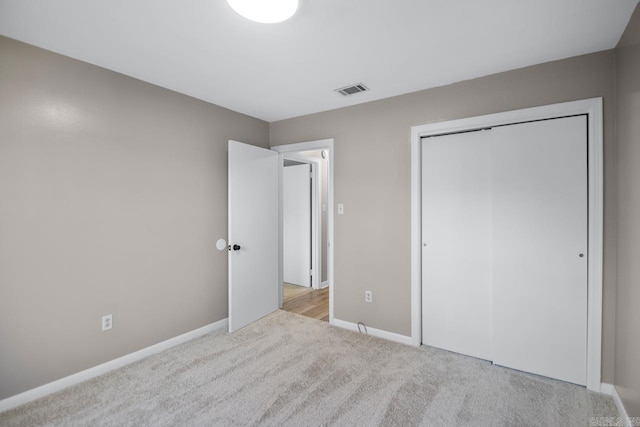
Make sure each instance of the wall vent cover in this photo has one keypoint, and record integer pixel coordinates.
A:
(352, 89)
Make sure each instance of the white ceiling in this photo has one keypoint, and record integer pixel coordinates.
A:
(276, 71)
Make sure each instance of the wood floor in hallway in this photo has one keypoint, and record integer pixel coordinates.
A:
(306, 301)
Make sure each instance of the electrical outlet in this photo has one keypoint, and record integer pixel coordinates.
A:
(368, 296)
(107, 322)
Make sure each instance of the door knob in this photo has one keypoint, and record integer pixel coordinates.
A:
(234, 247)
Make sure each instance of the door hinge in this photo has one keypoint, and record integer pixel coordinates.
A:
(310, 272)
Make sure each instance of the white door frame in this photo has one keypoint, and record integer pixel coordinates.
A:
(316, 217)
(323, 144)
(593, 109)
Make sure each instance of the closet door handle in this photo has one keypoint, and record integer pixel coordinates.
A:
(234, 247)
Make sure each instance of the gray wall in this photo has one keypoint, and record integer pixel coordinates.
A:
(112, 195)
(372, 178)
(627, 366)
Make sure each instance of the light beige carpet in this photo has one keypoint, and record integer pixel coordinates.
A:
(290, 370)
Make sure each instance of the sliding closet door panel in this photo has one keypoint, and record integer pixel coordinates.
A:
(456, 243)
(539, 182)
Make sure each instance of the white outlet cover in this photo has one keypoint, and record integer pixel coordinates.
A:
(107, 322)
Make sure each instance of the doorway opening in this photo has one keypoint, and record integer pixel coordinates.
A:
(306, 301)
(306, 229)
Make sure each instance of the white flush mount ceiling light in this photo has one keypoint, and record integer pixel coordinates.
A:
(265, 11)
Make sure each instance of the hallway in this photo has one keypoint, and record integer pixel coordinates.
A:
(306, 301)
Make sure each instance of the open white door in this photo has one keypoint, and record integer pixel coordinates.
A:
(253, 233)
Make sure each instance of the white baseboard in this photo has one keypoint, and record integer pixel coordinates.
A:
(326, 282)
(606, 389)
(391, 336)
(621, 409)
(87, 374)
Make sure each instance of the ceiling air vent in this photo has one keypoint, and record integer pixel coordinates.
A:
(352, 89)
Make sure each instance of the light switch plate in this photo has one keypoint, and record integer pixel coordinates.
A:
(340, 208)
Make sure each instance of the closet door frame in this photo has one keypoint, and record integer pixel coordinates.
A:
(592, 108)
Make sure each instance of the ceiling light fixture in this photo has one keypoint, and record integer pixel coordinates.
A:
(265, 11)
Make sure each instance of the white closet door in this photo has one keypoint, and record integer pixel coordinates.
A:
(456, 243)
(539, 185)
(296, 223)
